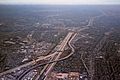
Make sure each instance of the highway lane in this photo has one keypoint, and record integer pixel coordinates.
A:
(91, 21)
(60, 53)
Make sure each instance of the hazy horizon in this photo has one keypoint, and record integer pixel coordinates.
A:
(62, 2)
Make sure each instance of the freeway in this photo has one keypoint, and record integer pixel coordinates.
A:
(61, 49)
(91, 21)
(64, 43)
(50, 67)
(40, 75)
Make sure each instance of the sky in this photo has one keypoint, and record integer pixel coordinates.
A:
(60, 2)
